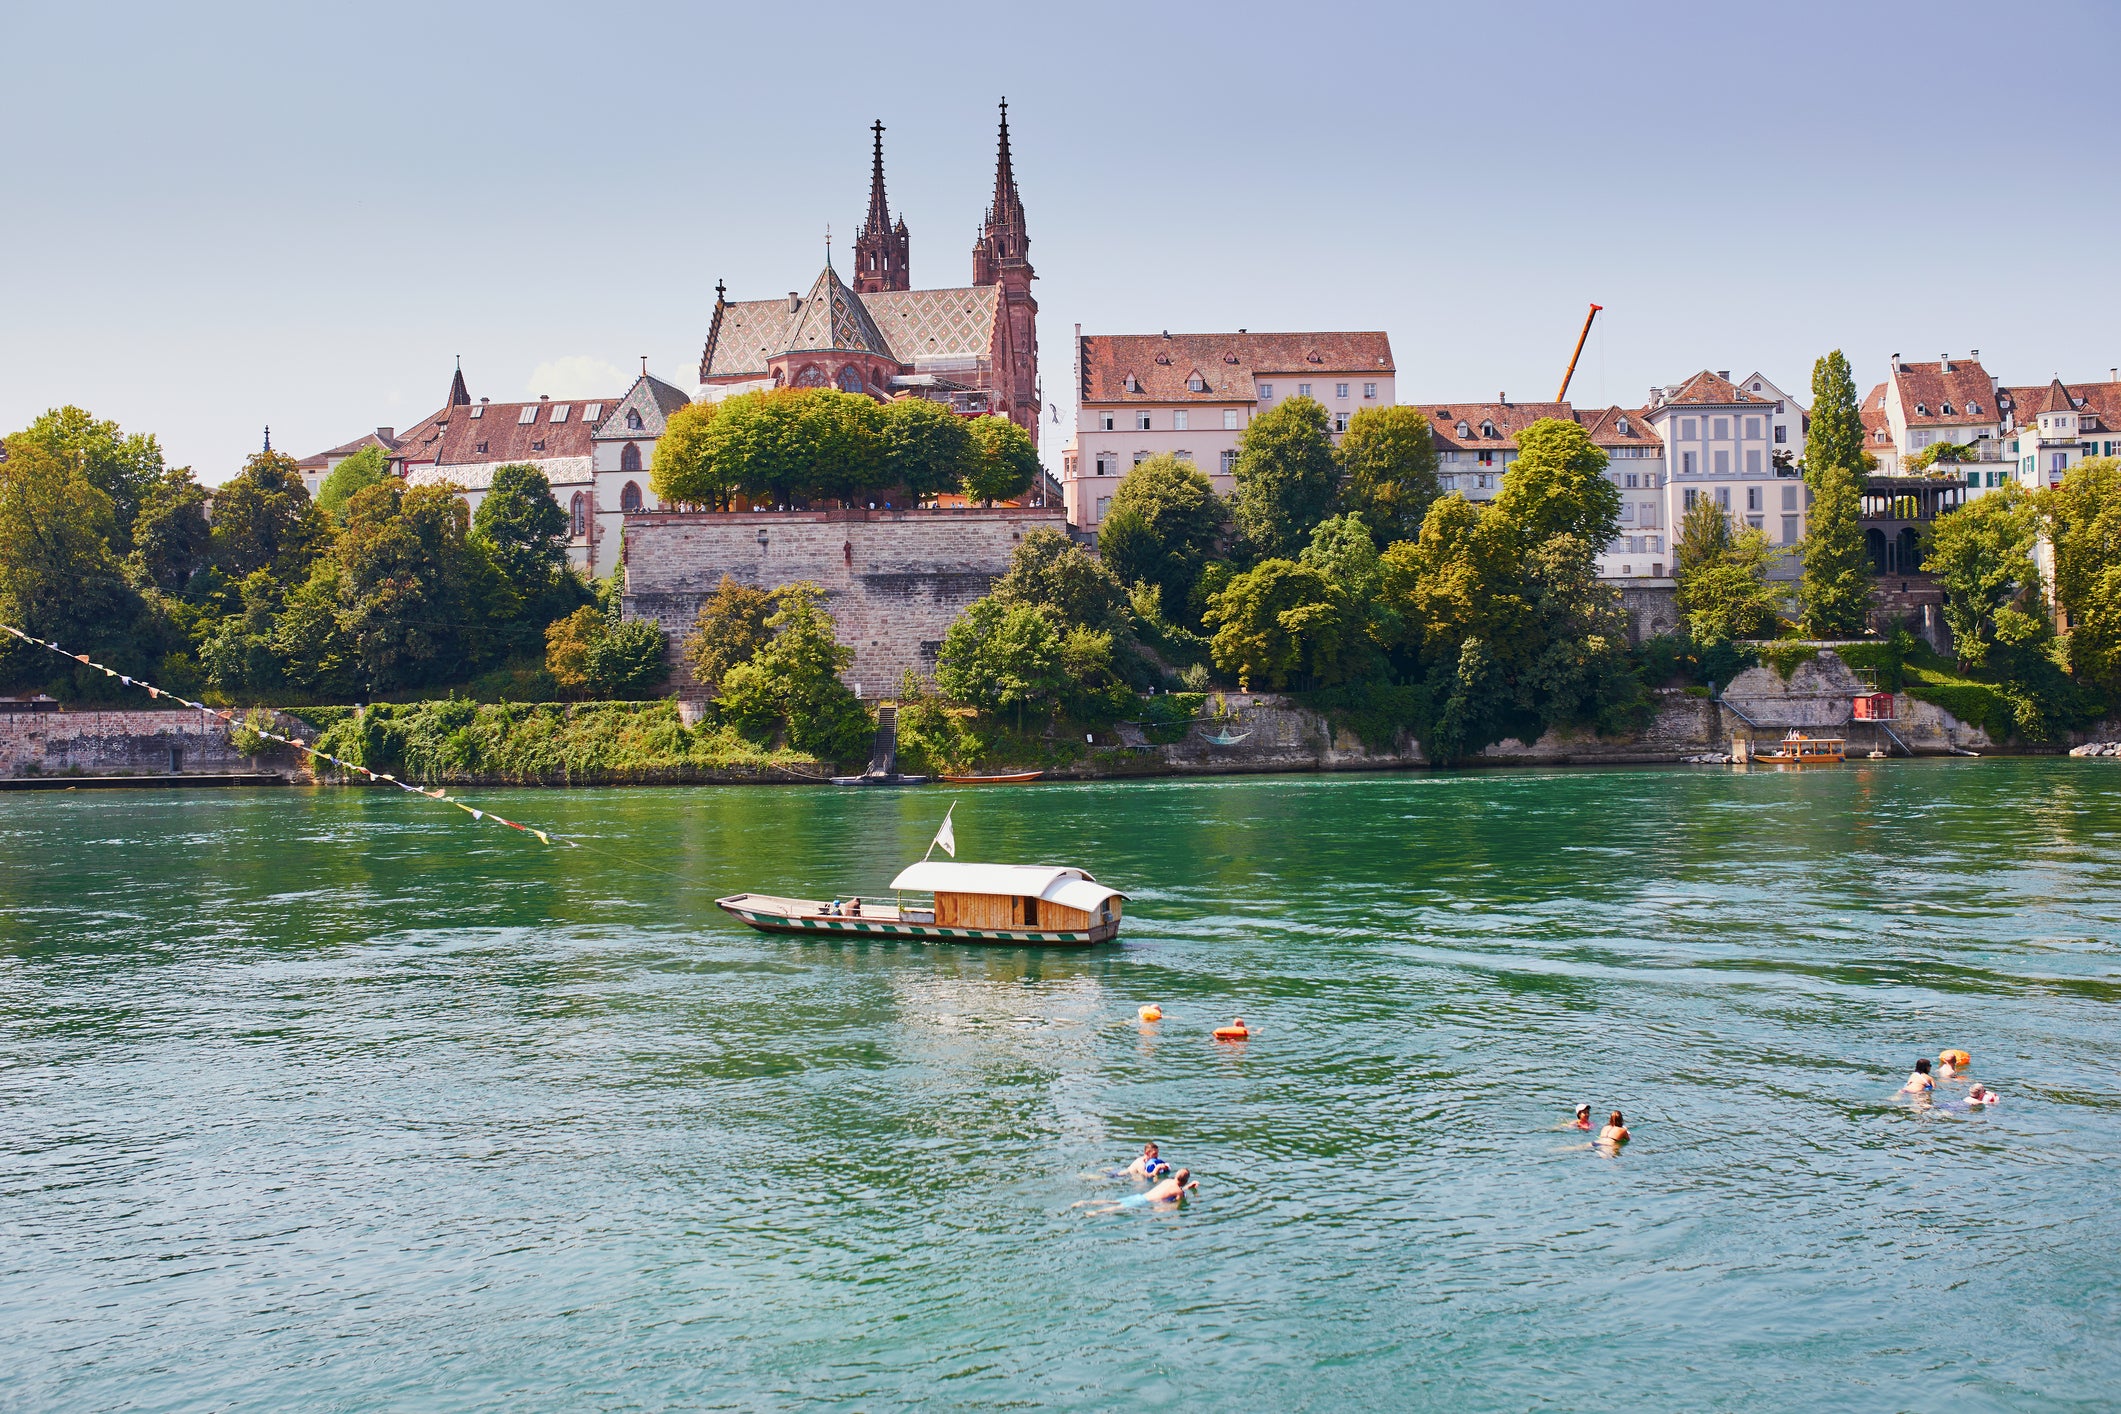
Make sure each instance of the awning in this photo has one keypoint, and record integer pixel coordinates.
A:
(1070, 888)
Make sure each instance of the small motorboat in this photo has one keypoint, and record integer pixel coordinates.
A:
(968, 903)
(1008, 778)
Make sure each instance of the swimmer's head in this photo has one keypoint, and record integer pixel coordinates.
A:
(1149, 1149)
(1582, 1110)
(1180, 1177)
(1615, 1119)
(1922, 1067)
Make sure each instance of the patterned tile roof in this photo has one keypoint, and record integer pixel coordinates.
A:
(832, 317)
(930, 325)
(912, 327)
(1161, 368)
(1925, 390)
(650, 397)
(1487, 427)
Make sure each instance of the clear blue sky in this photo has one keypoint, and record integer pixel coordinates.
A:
(224, 216)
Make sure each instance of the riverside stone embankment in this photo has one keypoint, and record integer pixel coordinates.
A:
(115, 742)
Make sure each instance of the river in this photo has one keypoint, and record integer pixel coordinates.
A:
(341, 1100)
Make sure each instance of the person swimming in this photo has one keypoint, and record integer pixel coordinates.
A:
(1981, 1095)
(1149, 1165)
(1583, 1117)
(1921, 1082)
(1615, 1132)
(1170, 1193)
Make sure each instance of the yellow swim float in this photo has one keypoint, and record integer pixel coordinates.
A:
(1152, 1012)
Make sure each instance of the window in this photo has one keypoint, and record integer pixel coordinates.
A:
(527, 415)
(1480, 483)
(1752, 498)
(633, 419)
(1752, 429)
(1946, 409)
(1723, 497)
(538, 445)
(850, 379)
(1447, 483)
(1266, 392)
(479, 410)
(1723, 429)
(1686, 428)
(1229, 461)
(1106, 421)
(482, 446)
(1229, 419)
(578, 514)
(1185, 455)
(1487, 429)
(1303, 390)
(1107, 464)
(1340, 422)
(559, 413)
(1179, 421)
(1340, 390)
(1104, 503)
(1692, 495)
(1782, 434)
(1723, 463)
(630, 458)
(1463, 430)
(1196, 384)
(1486, 459)
(1756, 522)
(1789, 530)
(1627, 512)
(1141, 422)
(1632, 480)
(1688, 466)
(1752, 462)
(630, 498)
(1369, 390)
(1140, 457)
(592, 411)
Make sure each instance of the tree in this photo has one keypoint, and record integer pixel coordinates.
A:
(1948, 453)
(729, 628)
(567, 645)
(841, 439)
(58, 576)
(1051, 572)
(1558, 486)
(171, 537)
(1161, 528)
(522, 529)
(685, 471)
(753, 447)
(1286, 476)
(1004, 463)
(1727, 596)
(1003, 656)
(927, 448)
(263, 520)
(355, 473)
(1982, 556)
(1278, 620)
(1836, 435)
(1388, 471)
(125, 469)
(791, 688)
(2083, 519)
(1704, 535)
(626, 661)
(415, 594)
(1836, 587)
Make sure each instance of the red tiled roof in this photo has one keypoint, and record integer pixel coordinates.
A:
(1877, 427)
(320, 460)
(1162, 364)
(1617, 426)
(421, 441)
(2101, 400)
(1965, 387)
(1706, 388)
(1505, 419)
(498, 433)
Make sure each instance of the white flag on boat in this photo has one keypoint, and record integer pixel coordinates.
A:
(945, 836)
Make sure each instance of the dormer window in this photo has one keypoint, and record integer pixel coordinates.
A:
(1463, 430)
(1487, 429)
(1623, 426)
(1922, 409)
(1163, 358)
(1973, 409)
(633, 418)
(1196, 384)
(1947, 409)
(1131, 383)
(1229, 358)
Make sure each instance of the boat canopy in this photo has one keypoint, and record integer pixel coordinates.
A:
(1070, 888)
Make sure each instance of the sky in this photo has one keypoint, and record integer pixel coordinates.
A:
(222, 217)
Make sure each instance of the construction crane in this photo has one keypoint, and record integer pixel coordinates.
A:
(1563, 395)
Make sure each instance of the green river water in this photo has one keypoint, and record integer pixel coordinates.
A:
(339, 1100)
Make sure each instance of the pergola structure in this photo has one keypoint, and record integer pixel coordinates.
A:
(1895, 508)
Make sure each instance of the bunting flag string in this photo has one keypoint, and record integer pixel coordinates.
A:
(296, 742)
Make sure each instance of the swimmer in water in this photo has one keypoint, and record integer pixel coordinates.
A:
(1170, 1193)
(1920, 1083)
(1945, 1069)
(1615, 1132)
(1583, 1117)
(1149, 1165)
(1982, 1095)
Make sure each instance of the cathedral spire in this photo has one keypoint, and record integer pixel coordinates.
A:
(881, 248)
(459, 395)
(1003, 243)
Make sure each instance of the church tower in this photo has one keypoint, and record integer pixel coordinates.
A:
(880, 247)
(1002, 257)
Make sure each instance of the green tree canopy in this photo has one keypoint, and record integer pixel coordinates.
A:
(263, 520)
(1836, 436)
(1982, 556)
(171, 537)
(1279, 620)
(1558, 486)
(1287, 477)
(1161, 528)
(1388, 471)
(2083, 517)
(926, 448)
(1003, 657)
(729, 628)
(685, 472)
(1051, 572)
(58, 576)
(791, 689)
(355, 473)
(1836, 587)
(124, 468)
(522, 529)
(1004, 464)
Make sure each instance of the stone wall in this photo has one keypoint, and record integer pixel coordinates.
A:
(1651, 609)
(893, 580)
(124, 743)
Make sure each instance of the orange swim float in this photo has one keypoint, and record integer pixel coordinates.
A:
(1152, 1012)
(1235, 1031)
(1958, 1060)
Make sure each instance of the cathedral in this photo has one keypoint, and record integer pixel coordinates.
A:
(973, 347)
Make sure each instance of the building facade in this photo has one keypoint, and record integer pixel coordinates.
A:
(1193, 395)
(1719, 445)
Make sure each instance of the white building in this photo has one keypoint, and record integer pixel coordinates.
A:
(622, 451)
(1193, 395)
(1641, 550)
(2050, 429)
(1719, 445)
(1951, 400)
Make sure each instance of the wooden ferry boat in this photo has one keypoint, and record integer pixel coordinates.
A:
(968, 903)
(1797, 749)
(1006, 778)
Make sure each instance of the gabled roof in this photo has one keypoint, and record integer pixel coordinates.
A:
(1160, 364)
(319, 461)
(649, 396)
(1507, 420)
(1706, 389)
(1925, 389)
(1877, 425)
(498, 433)
(423, 440)
(1617, 426)
(2101, 401)
(912, 327)
(832, 317)
(1768, 389)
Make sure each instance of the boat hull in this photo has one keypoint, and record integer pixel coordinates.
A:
(776, 915)
(1014, 778)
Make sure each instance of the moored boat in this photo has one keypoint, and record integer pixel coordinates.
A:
(1005, 778)
(1797, 749)
(1044, 904)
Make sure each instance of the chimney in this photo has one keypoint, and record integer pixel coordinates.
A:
(1973, 355)
(1898, 366)
(384, 434)
(1944, 363)
(795, 301)
(1724, 374)
(1503, 398)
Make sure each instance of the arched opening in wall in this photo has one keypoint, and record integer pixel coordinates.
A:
(578, 513)
(810, 376)
(630, 458)
(630, 496)
(1874, 543)
(850, 379)
(1909, 551)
